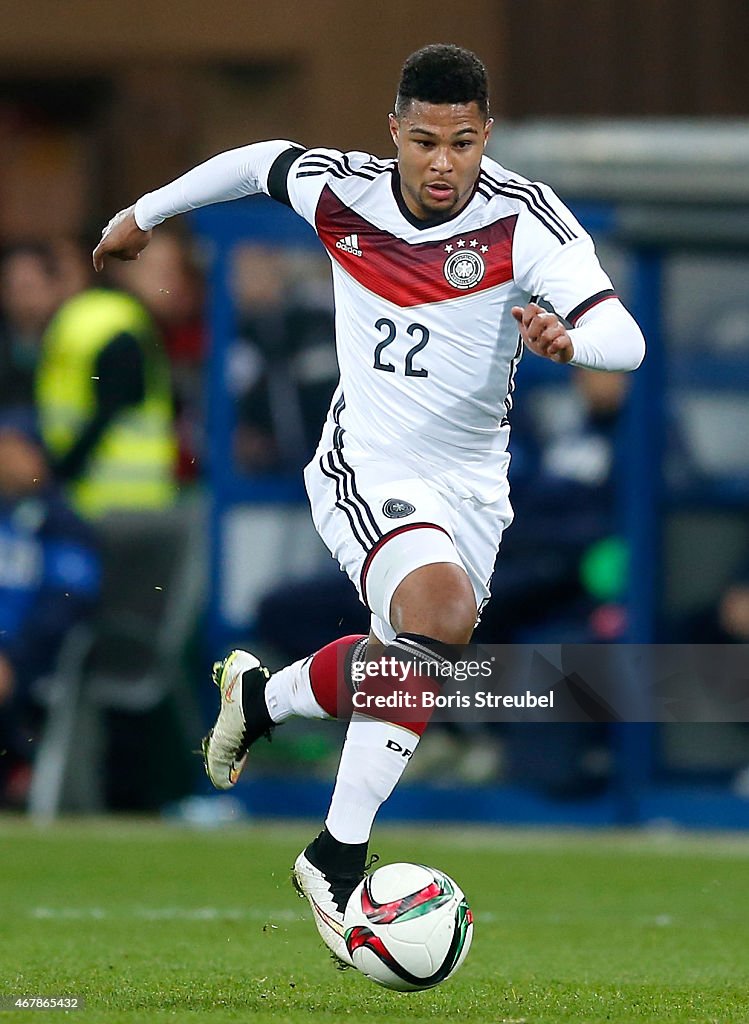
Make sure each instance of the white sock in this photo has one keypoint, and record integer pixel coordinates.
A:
(374, 757)
(288, 692)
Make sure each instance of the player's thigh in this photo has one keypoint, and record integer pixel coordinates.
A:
(380, 526)
(477, 529)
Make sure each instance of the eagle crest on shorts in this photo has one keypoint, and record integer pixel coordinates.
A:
(395, 508)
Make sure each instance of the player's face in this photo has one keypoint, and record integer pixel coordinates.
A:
(440, 146)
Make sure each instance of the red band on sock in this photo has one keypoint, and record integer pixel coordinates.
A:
(401, 701)
(327, 679)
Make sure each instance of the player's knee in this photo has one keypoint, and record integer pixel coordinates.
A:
(435, 601)
(451, 622)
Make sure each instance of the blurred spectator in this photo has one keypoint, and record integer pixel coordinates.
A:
(561, 573)
(725, 620)
(321, 608)
(30, 292)
(104, 401)
(49, 576)
(168, 281)
(72, 266)
(284, 366)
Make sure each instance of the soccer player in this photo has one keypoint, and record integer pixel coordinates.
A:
(438, 258)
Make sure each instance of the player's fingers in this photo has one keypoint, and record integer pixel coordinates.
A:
(533, 331)
(551, 328)
(517, 312)
(531, 311)
(531, 323)
(557, 339)
(563, 341)
(552, 332)
(98, 258)
(539, 324)
(562, 352)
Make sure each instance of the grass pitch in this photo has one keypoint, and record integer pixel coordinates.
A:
(149, 922)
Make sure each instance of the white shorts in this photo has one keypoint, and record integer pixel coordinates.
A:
(381, 522)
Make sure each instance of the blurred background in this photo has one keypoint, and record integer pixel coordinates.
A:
(152, 432)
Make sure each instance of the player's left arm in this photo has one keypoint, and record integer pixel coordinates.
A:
(554, 258)
(607, 337)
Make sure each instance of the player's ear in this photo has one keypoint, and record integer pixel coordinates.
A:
(394, 128)
(488, 129)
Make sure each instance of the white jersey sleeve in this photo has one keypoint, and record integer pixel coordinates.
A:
(607, 338)
(281, 169)
(554, 257)
(231, 175)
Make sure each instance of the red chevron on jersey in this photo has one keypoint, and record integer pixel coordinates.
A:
(412, 275)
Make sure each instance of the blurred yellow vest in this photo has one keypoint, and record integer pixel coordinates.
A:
(133, 464)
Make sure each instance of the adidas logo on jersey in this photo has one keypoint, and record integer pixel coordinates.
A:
(350, 244)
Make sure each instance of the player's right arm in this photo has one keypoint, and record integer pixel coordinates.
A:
(231, 175)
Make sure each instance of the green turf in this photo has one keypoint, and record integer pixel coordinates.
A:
(150, 922)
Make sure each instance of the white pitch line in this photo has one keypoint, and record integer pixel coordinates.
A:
(185, 914)
(164, 914)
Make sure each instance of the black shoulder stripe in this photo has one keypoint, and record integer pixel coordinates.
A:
(544, 204)
(589, 303)
(513, 190)
(322, 163)
(319, 159)
(336, 174)
(510, 192)
(376, 164)
(317, 162)
(316, 159)
(536, 213)
(537, 205)
(365, 171)
(278, 175)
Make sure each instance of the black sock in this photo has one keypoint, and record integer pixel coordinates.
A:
(257, 718)
(340, 860)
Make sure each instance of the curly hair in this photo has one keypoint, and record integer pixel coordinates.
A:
(442, 73)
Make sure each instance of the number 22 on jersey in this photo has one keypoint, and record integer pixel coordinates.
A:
(418, 332)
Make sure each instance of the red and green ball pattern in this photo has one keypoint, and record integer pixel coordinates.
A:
(421, 902)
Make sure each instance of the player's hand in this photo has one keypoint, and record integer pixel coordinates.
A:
(121, 238)
(544, 333)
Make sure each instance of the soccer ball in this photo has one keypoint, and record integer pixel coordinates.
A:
(408, 927)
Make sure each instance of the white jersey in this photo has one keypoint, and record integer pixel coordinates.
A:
(427, 346)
